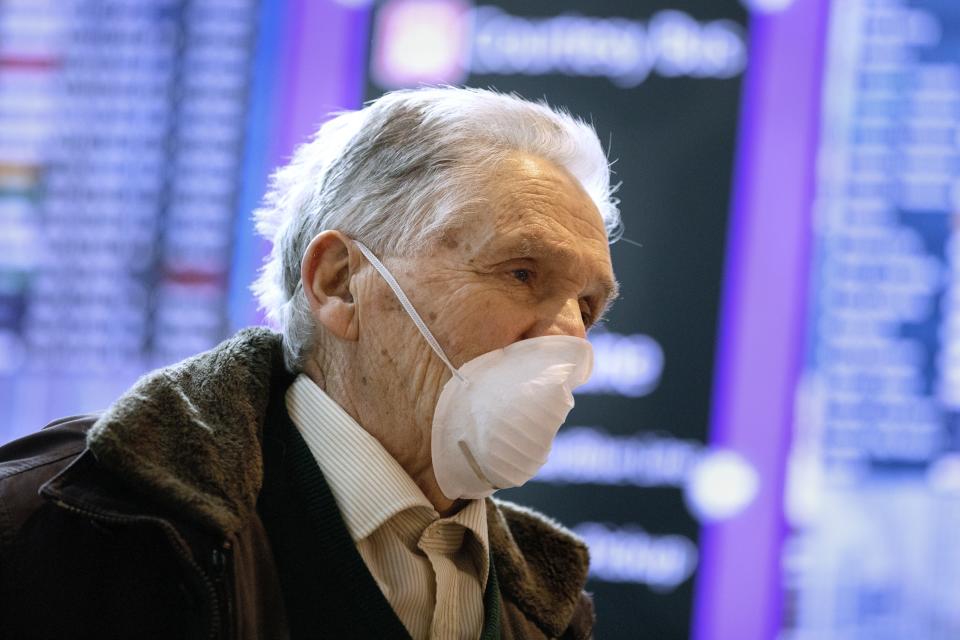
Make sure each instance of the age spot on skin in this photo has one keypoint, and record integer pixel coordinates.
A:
(449, 241)
(432, 316)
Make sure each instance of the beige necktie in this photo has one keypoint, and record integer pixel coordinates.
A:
(442, 542)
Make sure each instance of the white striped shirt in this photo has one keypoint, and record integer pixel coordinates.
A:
(432, 570)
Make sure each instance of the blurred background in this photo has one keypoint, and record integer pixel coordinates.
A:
(769, 445)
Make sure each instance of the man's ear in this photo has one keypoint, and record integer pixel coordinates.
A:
(326, 272)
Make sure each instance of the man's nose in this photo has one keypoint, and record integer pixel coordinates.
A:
(567, 321)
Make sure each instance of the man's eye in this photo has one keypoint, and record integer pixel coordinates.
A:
(523, 275)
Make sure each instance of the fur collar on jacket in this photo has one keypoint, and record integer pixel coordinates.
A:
(189, 436)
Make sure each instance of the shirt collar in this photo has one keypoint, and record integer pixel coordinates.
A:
(369, 485)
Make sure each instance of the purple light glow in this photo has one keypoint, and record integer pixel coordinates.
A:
(323, 67)
(739, 592)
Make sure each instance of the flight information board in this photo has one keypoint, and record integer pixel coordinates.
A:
(873, 492)
(122, 131)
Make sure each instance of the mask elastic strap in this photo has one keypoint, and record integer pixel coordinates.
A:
(408, 306)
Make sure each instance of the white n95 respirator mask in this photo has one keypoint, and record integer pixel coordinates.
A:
(496, 418)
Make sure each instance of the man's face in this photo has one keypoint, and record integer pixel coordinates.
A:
(533, 261)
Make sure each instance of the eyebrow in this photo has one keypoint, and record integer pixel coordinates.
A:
(611, 289)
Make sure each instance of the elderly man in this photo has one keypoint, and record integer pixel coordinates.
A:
(437, 260)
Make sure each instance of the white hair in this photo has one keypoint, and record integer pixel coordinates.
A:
(396, 173)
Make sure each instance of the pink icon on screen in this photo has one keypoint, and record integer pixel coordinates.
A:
(421, 42)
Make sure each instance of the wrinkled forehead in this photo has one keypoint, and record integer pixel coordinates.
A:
(536, 205)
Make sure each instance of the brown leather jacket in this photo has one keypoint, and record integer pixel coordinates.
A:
(141, 522)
